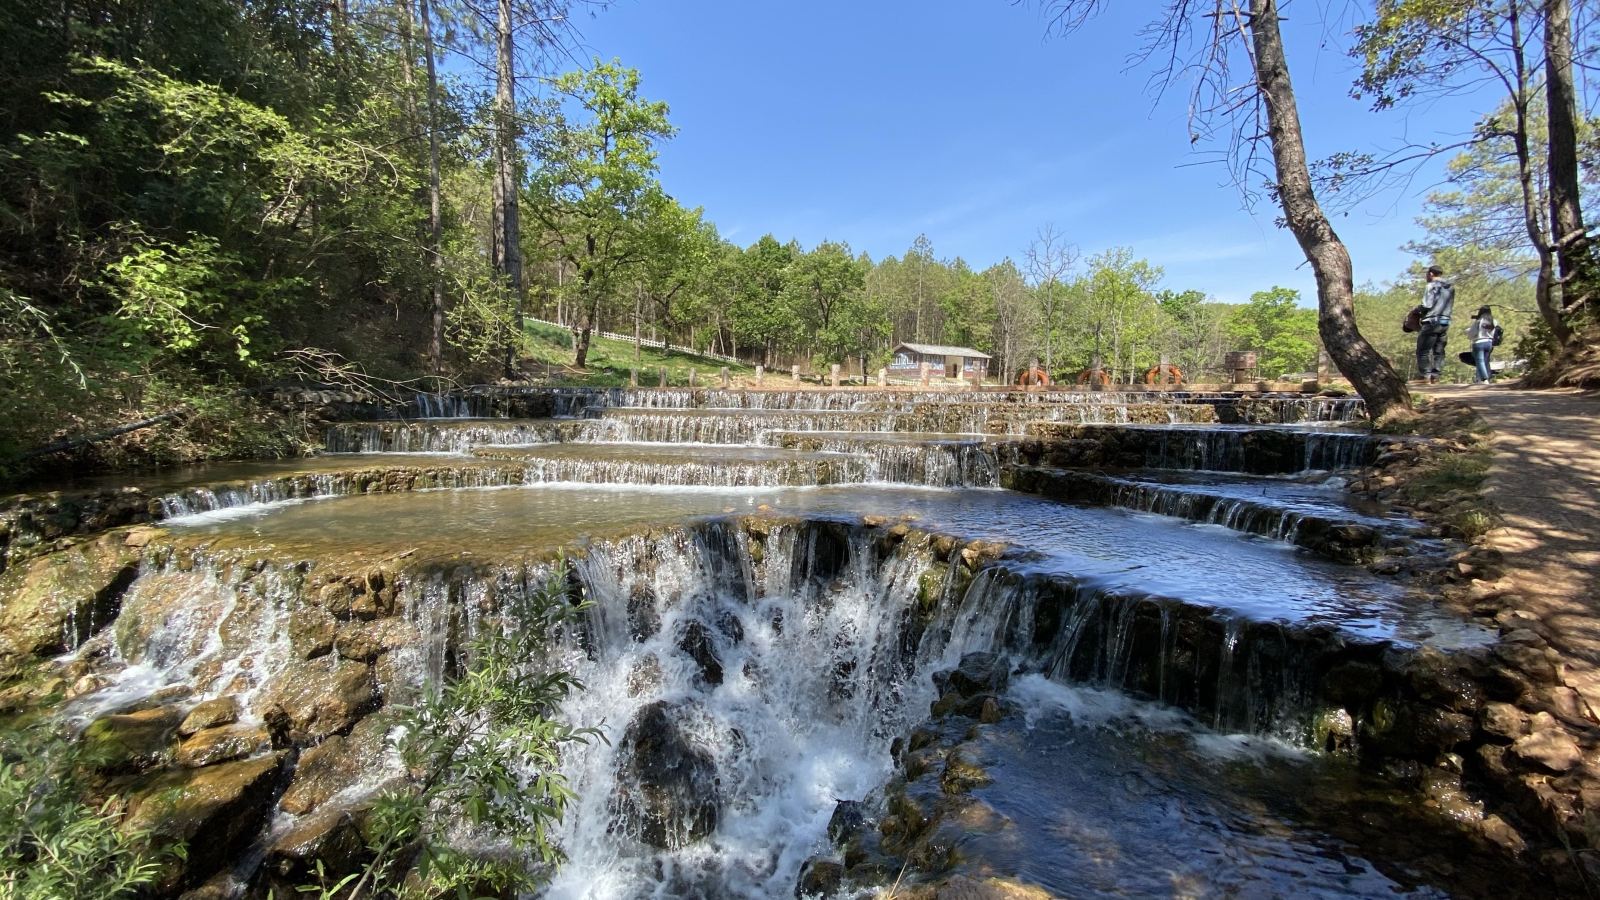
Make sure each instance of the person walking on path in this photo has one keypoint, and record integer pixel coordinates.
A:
(1484, 333)
(1438, 301)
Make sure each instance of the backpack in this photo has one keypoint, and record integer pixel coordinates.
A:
(1499, 335)
(1413, 321)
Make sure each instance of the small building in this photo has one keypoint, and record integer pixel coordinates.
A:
(947, 362)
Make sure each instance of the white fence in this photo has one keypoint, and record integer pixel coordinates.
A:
(646, 342)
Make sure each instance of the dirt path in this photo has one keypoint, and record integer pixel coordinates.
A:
(1545, 480)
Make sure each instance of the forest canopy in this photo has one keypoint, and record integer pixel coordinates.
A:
(199, 198)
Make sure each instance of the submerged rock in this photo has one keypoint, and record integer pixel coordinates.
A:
(698, 644)
(668, 795)
(819, 878)
(978, 673)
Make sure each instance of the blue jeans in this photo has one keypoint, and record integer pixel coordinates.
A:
(1480, 358)
(1430, 346)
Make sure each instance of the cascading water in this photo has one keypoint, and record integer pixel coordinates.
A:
(749, 673)
(782, 681)
(435, 437)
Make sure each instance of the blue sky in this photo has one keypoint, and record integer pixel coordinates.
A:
(871, 122)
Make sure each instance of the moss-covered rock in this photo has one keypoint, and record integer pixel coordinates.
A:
(132, 742)
(55, 602)
(213, 812)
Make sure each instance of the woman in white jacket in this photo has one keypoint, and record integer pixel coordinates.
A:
(1482, 331)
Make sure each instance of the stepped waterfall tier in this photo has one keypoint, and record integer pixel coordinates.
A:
(831, 643)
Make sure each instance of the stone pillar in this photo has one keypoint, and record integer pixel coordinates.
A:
(693, 377)
(794, 373)
(1161, 371)
(663, 376)
(633, 378)
(1324, 367)
(833, 375)
(725, 381)
(923, 376)
(883, 378)
(761, 373)
(1094, 373)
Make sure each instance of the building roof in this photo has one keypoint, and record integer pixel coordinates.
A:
(938, 350)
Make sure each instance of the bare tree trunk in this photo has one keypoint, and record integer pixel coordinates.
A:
(506, 243)
(1377, 382)
(1532, 215)
(1567, 233)
(435, 204)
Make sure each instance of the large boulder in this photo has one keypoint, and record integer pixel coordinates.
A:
(334, 765)
(323, 697)
(55, 602)
(210, 714)
(213, 812)
(330, 840)
(668, 795)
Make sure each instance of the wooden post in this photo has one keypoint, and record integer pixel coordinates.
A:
(833, 375)
(923, 377)
(883, 378)
(761, 372)
(725, 381)
(794, 372)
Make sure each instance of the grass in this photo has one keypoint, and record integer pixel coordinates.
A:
(610, 361)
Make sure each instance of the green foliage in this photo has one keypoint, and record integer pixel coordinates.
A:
(52, 843)
(483, 752)
(594, 190)
(1274, 324)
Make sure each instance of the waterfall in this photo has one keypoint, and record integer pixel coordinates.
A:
(785, 662)
(436, 437)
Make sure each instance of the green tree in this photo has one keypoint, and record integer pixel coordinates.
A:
(1114, 317)
(817, 286)
(594, 188)
(761, 315)
(1275, 325)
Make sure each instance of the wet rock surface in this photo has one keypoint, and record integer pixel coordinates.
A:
(668, 794)
(54, 603)
(212, 811)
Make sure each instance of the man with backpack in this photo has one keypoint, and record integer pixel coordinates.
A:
(1438, 301)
